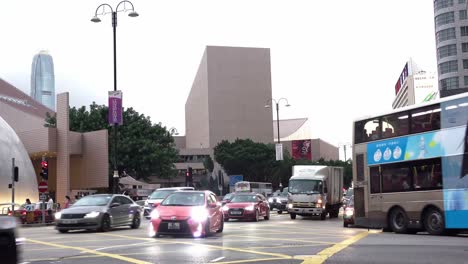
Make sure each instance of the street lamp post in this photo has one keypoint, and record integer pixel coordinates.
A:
(173, 131)
(268, 105)
(277, 102)
(96, 19)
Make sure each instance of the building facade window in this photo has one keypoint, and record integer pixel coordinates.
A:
(465, 47)
(439, 4)
(446, 34)
(449, 66)
(461, 1)
(465, 81)
(449, 83)
(444, 19)
(464, 31)
(465, 64)
(446, 51)
(462, 15)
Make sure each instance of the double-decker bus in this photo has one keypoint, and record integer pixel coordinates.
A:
(410, 169)
(258, 187)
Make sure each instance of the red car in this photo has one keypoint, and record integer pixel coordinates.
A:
(195, 213)
(247, 206)
(32, 213)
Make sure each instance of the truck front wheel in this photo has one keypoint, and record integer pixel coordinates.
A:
(293, 216)
(323, 215)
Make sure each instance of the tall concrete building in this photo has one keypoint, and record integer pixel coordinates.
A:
(228, 97)
(415, 86)
(451, 32)
(43, 79)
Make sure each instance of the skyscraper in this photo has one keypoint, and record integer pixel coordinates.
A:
(451, 32)
(43, 79)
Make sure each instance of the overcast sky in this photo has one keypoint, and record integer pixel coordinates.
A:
(334, 61)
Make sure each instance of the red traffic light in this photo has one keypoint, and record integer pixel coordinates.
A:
(44, 164)
(187, 174)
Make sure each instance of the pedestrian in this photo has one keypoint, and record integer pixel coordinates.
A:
(50, 205)
(68, 202)
(28, 201)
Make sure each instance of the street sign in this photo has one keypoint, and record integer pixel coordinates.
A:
(279, 151)
(42, 197)
(42, 187)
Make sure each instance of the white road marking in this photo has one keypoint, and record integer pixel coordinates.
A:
(217, 259)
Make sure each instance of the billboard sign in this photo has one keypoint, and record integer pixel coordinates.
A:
(115, 108)
(279, 151)
(301, 149)
(401, 79)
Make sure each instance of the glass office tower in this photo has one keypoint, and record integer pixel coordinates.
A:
(43, 79)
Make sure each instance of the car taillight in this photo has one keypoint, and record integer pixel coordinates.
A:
(9, 213)
(23, 213)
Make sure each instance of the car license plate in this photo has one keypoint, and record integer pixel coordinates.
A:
(175, 225)
(236, 212)
(69, 221)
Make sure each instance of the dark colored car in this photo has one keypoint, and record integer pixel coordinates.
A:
(8, 244)
(279, 200)
(194, 213)
(99, 212)
(348, 214)
(247, 206)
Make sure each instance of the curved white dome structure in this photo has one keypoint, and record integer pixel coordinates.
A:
(12, 147)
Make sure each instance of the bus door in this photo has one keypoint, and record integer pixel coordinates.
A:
(376, 215)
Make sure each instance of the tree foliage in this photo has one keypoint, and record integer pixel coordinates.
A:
(143, 148)
(257, 162)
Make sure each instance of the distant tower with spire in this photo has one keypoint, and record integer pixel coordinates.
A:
(43, 79)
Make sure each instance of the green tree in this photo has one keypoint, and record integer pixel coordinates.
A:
(143, 148)
(255, 161)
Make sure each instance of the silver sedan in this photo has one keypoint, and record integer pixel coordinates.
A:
(99, 212)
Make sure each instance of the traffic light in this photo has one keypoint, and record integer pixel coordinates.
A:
(16, 174)
(189, 177)
(44, 170)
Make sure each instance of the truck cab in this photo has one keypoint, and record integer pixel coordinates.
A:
(315, 191)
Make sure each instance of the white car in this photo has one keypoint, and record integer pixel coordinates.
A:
(158, 196)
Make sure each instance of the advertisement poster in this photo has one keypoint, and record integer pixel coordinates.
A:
(115, 108)
(301, 149)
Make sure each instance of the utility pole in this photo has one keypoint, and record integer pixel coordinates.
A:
(13, 186)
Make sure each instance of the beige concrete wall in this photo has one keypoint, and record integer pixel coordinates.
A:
(239, 85)
(76, 143)
(196, 109)
(20, 121)
(327, 150)
(95, 160)
(38, 140)
(63, 148)
(180, 142)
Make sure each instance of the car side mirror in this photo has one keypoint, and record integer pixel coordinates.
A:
(114, 205)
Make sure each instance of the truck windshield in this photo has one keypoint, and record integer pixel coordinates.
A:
(305, 186)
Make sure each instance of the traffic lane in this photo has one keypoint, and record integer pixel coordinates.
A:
(240, 241)
(399, 248)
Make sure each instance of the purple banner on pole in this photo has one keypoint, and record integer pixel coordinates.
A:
(115, 108)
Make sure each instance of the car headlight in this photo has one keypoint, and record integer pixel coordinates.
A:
(58, 215)
(146, 202)
(225, 208)
(199, 214)
(154, 214)
(270, 200)
(349, 212)
(290, 205)
(319, 201)
(250, 208)
(92, 215)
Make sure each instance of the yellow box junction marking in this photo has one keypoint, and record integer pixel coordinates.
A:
(109, 255)
(328, 252)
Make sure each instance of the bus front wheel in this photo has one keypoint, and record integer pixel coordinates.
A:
(398, 221)
(434, 222)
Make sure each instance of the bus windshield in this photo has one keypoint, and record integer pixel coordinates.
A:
(305, 186)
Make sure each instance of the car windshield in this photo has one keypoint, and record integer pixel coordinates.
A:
(228, 196)
(244, 199)
(184, 199)
(161, 194)
(93, 201)
(305, 186)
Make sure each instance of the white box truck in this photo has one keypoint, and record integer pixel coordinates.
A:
(315, 190)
